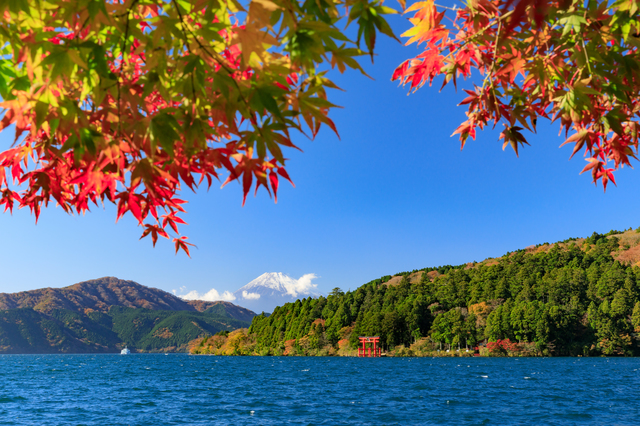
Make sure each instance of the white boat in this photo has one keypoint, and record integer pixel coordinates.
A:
(125, 351)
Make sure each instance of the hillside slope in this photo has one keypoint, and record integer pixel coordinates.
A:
(576, 297)
(107, 314)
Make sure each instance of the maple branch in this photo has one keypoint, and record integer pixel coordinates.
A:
(186, 39)
(84, 24)
(482, 30)
(215, 57)
(124, 48)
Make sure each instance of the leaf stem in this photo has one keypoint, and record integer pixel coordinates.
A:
(584, 46)
(495, 52)
(454, 8)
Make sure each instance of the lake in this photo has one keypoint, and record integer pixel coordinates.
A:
(180, 389)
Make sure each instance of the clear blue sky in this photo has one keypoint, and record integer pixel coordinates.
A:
(395, 193)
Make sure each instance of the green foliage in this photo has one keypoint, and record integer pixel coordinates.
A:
(63, 330)
(219, 310)
(20, 328)
(336, 292)
(148, 330)
(85, 329)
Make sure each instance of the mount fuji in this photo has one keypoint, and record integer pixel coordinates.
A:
(273, 289)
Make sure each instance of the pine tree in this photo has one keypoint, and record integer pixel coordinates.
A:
(635, 317)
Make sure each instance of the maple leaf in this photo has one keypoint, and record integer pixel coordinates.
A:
(154, 231)
(578, 139)
(273, 178)
(182, 244)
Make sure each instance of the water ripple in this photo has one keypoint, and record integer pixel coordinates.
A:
(184, 390)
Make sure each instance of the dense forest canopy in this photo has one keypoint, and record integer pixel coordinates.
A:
(577, 297)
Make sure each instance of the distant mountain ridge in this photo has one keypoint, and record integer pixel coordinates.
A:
(102, 293)
(272, 289)
(105, 314)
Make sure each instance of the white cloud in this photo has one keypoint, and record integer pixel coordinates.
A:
(250, 296)
(210, 296)
(302, 285)
(182, 290)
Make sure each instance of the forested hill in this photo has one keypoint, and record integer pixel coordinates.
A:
(577, 297)
(107, 314)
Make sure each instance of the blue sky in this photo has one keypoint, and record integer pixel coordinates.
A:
(395, 193)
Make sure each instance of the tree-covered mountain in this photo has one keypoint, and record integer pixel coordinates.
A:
(107, 314)
(576, 297)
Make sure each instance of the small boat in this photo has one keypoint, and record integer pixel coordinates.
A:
(125, 351)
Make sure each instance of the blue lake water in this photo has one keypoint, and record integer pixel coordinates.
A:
(206, 390)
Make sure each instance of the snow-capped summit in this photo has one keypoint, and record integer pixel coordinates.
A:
(269, 280)
(273, 289)
(282, 283)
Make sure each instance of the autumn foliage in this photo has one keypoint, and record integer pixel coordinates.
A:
(502, 347)
(127, 101)
(236, 342)
(568, 61)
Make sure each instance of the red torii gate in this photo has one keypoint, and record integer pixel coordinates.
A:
(369, 352)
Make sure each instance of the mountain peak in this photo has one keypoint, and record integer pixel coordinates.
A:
(275, 288)
(272, 280)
